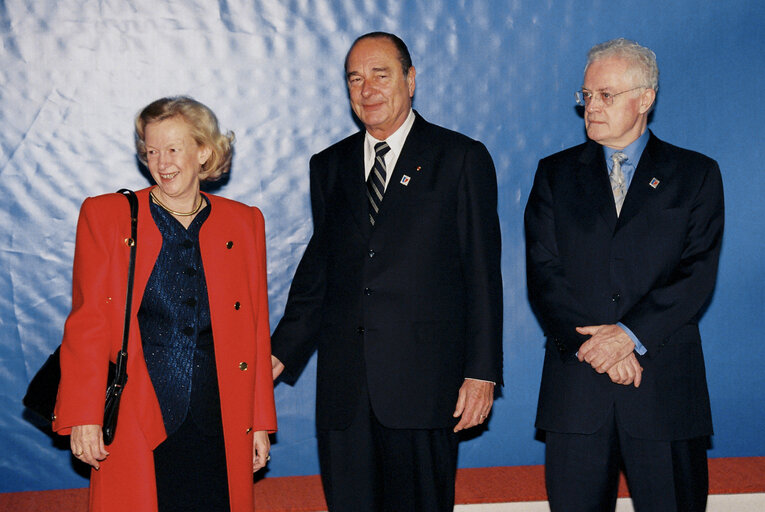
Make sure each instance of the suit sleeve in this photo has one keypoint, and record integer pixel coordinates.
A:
(555, 306)
(682, 298)
(86, 344)
(264, 407)
(294, 339)
(481, 247)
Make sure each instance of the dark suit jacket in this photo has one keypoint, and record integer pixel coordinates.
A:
(412, 306)
(653, 269)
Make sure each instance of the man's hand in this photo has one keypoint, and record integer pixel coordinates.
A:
(627, 371)
(473, 403)
(608, 344)
(277, 367)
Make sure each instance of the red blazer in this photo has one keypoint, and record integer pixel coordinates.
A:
(232, 242)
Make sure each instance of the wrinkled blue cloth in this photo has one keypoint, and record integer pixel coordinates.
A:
(176, 332)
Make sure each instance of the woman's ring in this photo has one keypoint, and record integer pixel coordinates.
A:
(77, 454)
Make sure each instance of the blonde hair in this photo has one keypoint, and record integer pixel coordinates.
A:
(204, 131)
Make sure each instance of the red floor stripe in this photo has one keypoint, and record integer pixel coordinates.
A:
(474, 485)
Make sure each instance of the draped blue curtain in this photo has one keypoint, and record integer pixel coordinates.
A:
(73, 73)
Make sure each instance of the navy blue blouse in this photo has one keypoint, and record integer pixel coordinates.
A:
(176, 331)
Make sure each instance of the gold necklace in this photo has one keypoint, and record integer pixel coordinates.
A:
(173, 212)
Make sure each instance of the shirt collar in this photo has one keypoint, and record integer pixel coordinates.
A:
(632, 151)
(396, 139)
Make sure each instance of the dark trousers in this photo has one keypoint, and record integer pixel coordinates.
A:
(190, 469)
(369, 467)
(582, 471)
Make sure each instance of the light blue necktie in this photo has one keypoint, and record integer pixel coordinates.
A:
(618, 182)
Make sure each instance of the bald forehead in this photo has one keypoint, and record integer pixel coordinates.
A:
(625, 67)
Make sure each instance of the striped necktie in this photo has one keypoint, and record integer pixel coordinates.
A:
(618, 182)
(376, 181)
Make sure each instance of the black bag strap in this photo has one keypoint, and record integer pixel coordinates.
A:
(120, 376)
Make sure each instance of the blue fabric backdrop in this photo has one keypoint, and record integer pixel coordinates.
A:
(73, 73)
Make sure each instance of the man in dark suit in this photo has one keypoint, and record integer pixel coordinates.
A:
(400, 289)
(623, 236)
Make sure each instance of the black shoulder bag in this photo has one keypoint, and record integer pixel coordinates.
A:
(43, 389)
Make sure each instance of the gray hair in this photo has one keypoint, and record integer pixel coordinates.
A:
(642, 59)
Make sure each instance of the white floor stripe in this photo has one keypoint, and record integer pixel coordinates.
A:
(716, 503)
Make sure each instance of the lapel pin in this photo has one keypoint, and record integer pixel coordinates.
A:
(405, 180)
(418, 168)
(654, 183)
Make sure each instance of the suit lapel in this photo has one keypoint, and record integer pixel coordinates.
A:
(592, 176)
(411, 162)
(652, 172)
(351, 177)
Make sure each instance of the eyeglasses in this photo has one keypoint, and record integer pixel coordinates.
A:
(585, 97)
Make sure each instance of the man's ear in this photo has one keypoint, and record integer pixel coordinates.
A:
(647, 97)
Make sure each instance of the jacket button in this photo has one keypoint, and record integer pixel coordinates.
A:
(243, 366)
(367, 291)
(371, 253)
(237, 305)
(360, 330)
(229, 244)
(615, 297)
(248, 430)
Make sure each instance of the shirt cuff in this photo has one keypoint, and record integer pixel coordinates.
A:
(481, 380)
(639, 348)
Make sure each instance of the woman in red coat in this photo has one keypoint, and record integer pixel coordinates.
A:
(198, 405)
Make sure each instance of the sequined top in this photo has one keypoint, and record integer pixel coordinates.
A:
(176, 331)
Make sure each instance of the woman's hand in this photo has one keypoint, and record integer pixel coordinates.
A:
(87, 442)
(261, 445)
